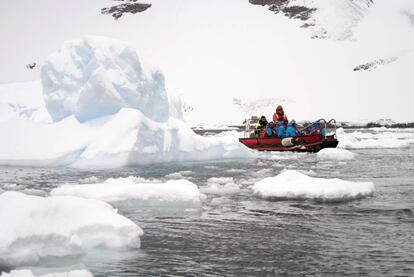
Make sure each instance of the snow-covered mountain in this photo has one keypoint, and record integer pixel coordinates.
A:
(318, 58)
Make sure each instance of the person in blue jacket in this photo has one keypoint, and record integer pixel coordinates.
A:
(281, 130)
(291, 130)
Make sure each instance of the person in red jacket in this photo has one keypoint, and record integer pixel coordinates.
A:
(279, 115)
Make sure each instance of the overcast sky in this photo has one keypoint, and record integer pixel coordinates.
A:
(212, 51)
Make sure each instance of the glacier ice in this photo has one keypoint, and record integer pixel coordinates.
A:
(97, 76)
(39, 229)
(291, 184)
(108, 111)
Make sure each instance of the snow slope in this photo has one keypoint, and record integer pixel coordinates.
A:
(291, 184)
(41, 228)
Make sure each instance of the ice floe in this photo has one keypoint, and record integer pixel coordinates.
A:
(291, 184)
(220, 186)
(336, 154)
(36, 229)
(138, 190)
(29, 273)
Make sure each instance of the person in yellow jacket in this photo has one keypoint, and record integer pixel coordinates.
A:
(261, 123)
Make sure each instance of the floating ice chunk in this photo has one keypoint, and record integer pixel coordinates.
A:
(29, 273)
(88, 180)
(35, 192)
(35, 229)
(174, 175)
(220, 180)
(172, 192)
(291, 184)
(221, 189)
(220, 186)
(97, 76)
(336, 154)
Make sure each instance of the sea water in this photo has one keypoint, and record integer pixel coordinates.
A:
(236, 233)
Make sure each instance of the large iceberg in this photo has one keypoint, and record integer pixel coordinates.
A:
(291, 184)
(97, 76)
(36, 229)
(107, 111)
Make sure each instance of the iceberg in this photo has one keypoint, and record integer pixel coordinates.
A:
(291, 184)
(118, 190)
(97, 76)
(36, 229)
(106, 110)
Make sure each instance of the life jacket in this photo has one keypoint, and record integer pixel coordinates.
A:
(279, 116)
(281, 130)
(290, 131)
(269, 132)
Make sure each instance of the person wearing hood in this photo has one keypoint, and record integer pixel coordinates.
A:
(262, 123)
(279, 116)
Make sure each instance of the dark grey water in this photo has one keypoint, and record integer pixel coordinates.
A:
(241, 235)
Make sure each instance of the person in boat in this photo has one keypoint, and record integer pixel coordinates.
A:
(281, 130)
(291, 130)
(279, 116)
(262, 123)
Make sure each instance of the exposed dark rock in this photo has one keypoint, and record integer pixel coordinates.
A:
(298, 12)
(276, 6)
(129, 6)
(307, 25)
(374, 64)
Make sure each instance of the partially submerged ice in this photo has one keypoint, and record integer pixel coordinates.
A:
(30, 273)
(291, 184)
(141, 191)
(335, 154)
(36, 229)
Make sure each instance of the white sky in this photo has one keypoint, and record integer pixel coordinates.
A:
(212, 51)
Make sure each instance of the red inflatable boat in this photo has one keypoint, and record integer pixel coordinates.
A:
(312, 142)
